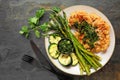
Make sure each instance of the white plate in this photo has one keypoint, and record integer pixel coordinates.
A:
(74, 70)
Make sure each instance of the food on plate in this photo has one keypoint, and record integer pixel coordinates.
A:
(62, 49)
(65, 46)
(53, 50)
(86, 59)
(74, 59)
(68, 48)
(91, 30)
(65, 59)
(54, 38)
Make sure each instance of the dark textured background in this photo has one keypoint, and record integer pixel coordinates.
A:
(14, 14)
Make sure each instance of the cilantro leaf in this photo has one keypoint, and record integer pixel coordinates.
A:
(33, 20)
(34, 26)
(44, 27)
(40, 12)
(56, 9)
(24, 31)
(21, 32)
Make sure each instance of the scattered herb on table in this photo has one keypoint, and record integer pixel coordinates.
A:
(35, 26)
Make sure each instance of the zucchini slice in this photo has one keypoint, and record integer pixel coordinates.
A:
(65, 59)
(53, 51)
(54, 38)
(74, 59)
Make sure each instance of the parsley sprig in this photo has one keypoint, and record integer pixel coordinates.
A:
(34, 23)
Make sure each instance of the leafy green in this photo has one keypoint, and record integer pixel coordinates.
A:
(33, 24)
(56, 9)
(44, 27)
(33, 20)
(21, 32)
(24, 31)
(40, 12)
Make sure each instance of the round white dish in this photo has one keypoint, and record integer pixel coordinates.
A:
(74, 70)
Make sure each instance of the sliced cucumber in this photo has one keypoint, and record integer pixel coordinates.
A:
(53, 50)
(65, 59)
(53, 38)
(74, 59)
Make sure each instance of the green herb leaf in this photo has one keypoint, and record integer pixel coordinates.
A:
(56, 9)
(32, 26)
(24, 29)
(44, 27)
(21, 32)
(37, 33)
(40, 12)
(33, 20)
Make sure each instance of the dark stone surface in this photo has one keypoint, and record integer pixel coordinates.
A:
(14, 14)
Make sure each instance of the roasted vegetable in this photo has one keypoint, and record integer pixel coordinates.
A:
(53, 50)
(65, 59)
(74, 59)
(54, 38)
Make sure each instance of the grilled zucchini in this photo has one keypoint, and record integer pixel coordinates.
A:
(65, 59)
(53, 50)
(74, 59)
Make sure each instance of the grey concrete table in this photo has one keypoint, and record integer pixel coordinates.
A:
(14, 14)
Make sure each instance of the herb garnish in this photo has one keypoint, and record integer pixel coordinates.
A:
(35, 26)
(90, 36)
